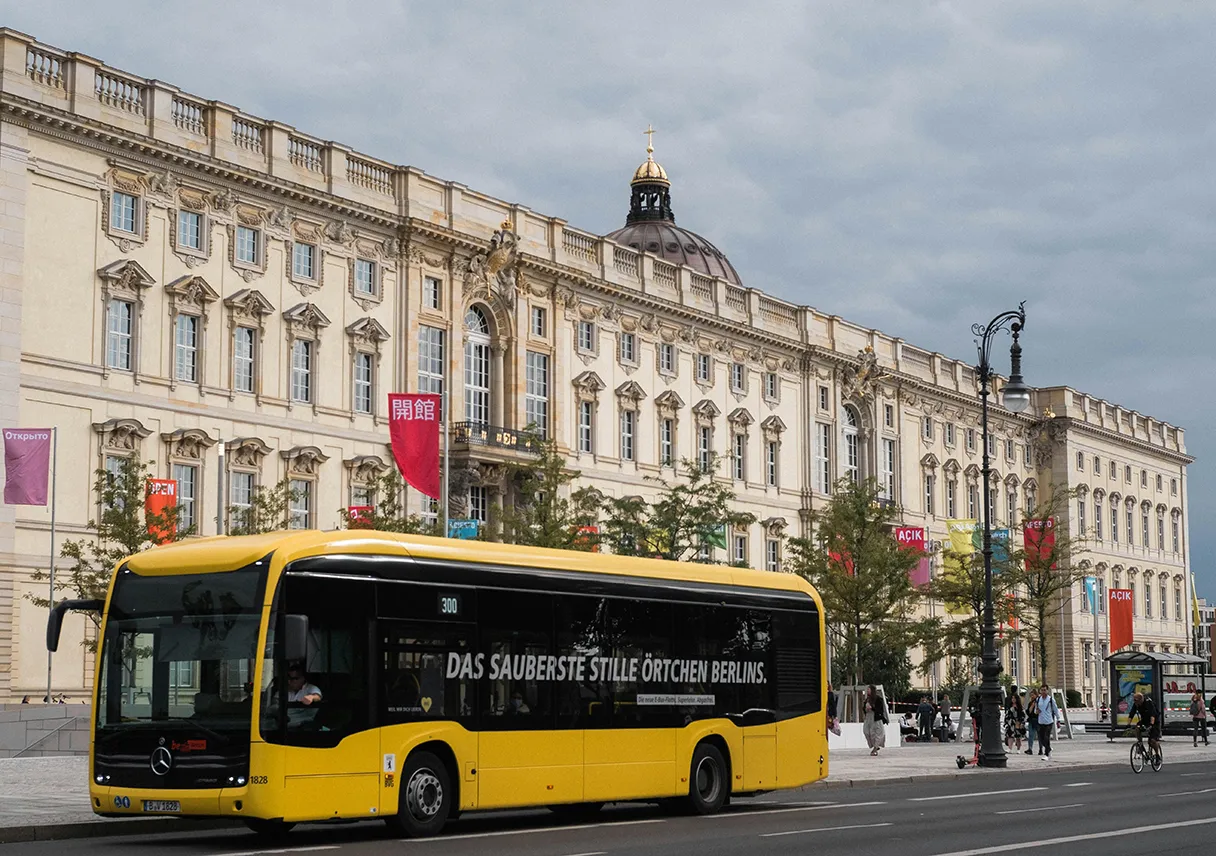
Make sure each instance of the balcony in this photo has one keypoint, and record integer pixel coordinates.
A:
(495, 436)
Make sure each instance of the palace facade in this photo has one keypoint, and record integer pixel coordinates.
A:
(232, 299)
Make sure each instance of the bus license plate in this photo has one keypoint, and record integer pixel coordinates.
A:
(162, 805)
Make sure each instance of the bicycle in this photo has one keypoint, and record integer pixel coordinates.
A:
(1141, 753)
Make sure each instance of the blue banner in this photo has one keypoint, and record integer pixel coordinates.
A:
(466, 529)
(1091, 591)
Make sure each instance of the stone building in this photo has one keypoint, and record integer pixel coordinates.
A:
(223, 294)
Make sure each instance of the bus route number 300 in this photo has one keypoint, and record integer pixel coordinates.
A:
(449, 605)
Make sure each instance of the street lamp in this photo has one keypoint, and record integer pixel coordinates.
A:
(1015, 398)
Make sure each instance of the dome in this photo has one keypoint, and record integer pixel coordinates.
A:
(650, 226)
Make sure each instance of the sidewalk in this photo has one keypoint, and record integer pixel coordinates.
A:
(48, 798)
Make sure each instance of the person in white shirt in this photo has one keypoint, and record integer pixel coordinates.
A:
(299, 690)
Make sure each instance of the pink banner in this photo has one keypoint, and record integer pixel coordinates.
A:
(27, 465)
(912, 538)
(413, 427)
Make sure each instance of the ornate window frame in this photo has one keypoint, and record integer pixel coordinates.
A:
(243, 455)
(304, 321)
(740, 421)
(303, 463)
(133, 184)
(124, 280)
(629, 397)
(194, 202)
(668, 405)
(312, 234)
(188, 447)
(247, 308)
(363, 472)
(189, 295)
(248, 217)
(366, 336)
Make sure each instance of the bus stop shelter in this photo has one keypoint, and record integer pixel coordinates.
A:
(1153, 673)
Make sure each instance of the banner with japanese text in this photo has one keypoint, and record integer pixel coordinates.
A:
(1121, 624)
(27, 465)
(960, 548)
(160, 499)
(912, 538)
(413, 427)
(360, 516)
(1039, 539)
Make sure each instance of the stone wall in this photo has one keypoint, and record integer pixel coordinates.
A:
(39, 730)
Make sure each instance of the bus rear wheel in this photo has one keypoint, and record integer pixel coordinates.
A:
(708, 782)
(271, 830)
(426, 797)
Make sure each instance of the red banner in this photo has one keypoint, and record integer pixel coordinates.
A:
(413, 427)
(1121, 633)
(360, 516)
(843, 560)
(912, 538)
(586, 538)
(159, 500)
(1039, 539)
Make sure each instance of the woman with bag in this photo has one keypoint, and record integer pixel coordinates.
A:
(1032, 717)
(1199, 719)
(876, 719)
(833, 722)
(1015, 722)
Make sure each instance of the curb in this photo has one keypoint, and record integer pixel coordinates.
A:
(108, 828)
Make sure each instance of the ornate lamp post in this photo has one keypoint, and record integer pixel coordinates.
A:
(1015, 398)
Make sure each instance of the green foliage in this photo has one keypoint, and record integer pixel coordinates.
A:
(120, 531)
(269, 510)
(959, 675)
(388, 510)
(885, 661)
(1073, 698)
(540, 514)
(960, 586)
(861, 573)
(688, 516)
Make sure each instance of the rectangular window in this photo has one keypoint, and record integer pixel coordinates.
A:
(771, 386)
(1011, 450)
(1087, 653)
(970, 439)
(240, 497)
(740, 552)
(540, 322)
(1080, 515)
(363, 383)
(1177, 600)
(886, 469)
(247, 245)
(628, 348)
(123, 209)
(1111, 470)
(586, 427)
(1114, 522)
(186, 476)
(431, 360)
(432, 292)
(430, 511)
(738, 377)
(119, 321)
(973, 502)
(951, 498)
(361, 496)
(479, 505)
(1015, 648)
(888, 415)
(667, 358)
(705, 447)
(304, 261)
(1173, 487)
(1102, 595)
(586, 336)
(739, 457)
(1098, 518)
(770, 463)
(1145, 541)
(929, 484)
(1130, 522)
(536, 398)
(1127, 474)
(628, 424)
(991, 446)
(242, 358)
(772, 555)
(1158, 484)
(1161, 594)
(823, 399)
(190, 230)
(301, 370)
(1174, 529)
(1011, 508)
(1144, 479)
(301, 504)
(1026, 455)
(667, 443)
(365, 276)
(949, 433)
(704, 369)
(1097, 466)
(185, 350)
(823, 446)
(927, 425)
(1148, 600)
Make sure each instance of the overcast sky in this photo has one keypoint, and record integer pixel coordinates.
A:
(914, 167)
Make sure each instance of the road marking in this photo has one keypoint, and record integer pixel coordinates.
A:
(786, 810)
(1113, 833)
(978, 794)
(1189, 793)
(441, 838)
(1079, 785)
(1188, 775)
(592, 853)
(284, 850)
(1043, 808)
(824, 829)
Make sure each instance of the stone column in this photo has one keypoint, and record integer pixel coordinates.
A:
(499, 384)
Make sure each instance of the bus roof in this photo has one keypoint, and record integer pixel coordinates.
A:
(225, 553)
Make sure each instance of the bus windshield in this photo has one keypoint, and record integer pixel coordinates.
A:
(181, 648)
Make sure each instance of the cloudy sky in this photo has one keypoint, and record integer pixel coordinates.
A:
(911, 166)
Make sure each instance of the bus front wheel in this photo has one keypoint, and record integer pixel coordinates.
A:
(426, 797)
(708, 782)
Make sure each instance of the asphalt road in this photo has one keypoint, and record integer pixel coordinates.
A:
(1110, 811)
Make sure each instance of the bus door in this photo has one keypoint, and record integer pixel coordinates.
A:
(332, 761)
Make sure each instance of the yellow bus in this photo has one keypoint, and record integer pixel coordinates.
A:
(313, 676)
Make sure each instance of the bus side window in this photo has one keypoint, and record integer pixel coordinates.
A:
(640, 630)
(580, 632)
(429, 671)
(797, 662)
(517, 635)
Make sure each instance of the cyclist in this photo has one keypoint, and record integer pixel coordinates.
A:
(1146, 711)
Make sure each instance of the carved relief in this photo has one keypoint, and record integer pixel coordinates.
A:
(121, 435)
(861, 382)
(669, 404)
(365, 469)
(587, 386)
(773, 428)
(304, 460)
(187, 443)
(498, 269)
(246, 452)
(630, 394)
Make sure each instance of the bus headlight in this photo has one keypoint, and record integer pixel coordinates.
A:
(100, 779)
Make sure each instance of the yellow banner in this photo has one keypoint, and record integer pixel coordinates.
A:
(962, 543)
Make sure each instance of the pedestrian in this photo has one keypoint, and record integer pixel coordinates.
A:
(876, 719)
(1049, 715)
(1015, 722)
(1032, 720)
(924, 713)
(1199, 719)
(1212, 704)
(945, 709)
(25, 699)
(831, 711)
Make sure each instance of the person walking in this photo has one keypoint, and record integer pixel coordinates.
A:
(924, 715)
(1032, 720)
(945, 711)
(875, 724)
(1015, 722)
(1199, 719)
(831, 711)
(1049, 714)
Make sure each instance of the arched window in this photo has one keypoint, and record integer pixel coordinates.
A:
(852, 449)
(476, 367)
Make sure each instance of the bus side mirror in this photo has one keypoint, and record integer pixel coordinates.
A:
(295, 638)
(54, 622)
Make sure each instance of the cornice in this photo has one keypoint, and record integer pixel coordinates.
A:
(1114, 436)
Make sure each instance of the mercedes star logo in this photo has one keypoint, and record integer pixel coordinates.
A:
(161, 761)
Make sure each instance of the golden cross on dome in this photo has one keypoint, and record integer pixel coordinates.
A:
(649, 132)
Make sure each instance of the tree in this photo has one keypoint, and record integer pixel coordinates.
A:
(1044, 574)
(540, 516)
(269, 510)
(388, 513)
(960, 586)
(123, 529)
(861, 572)
(687, 516)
